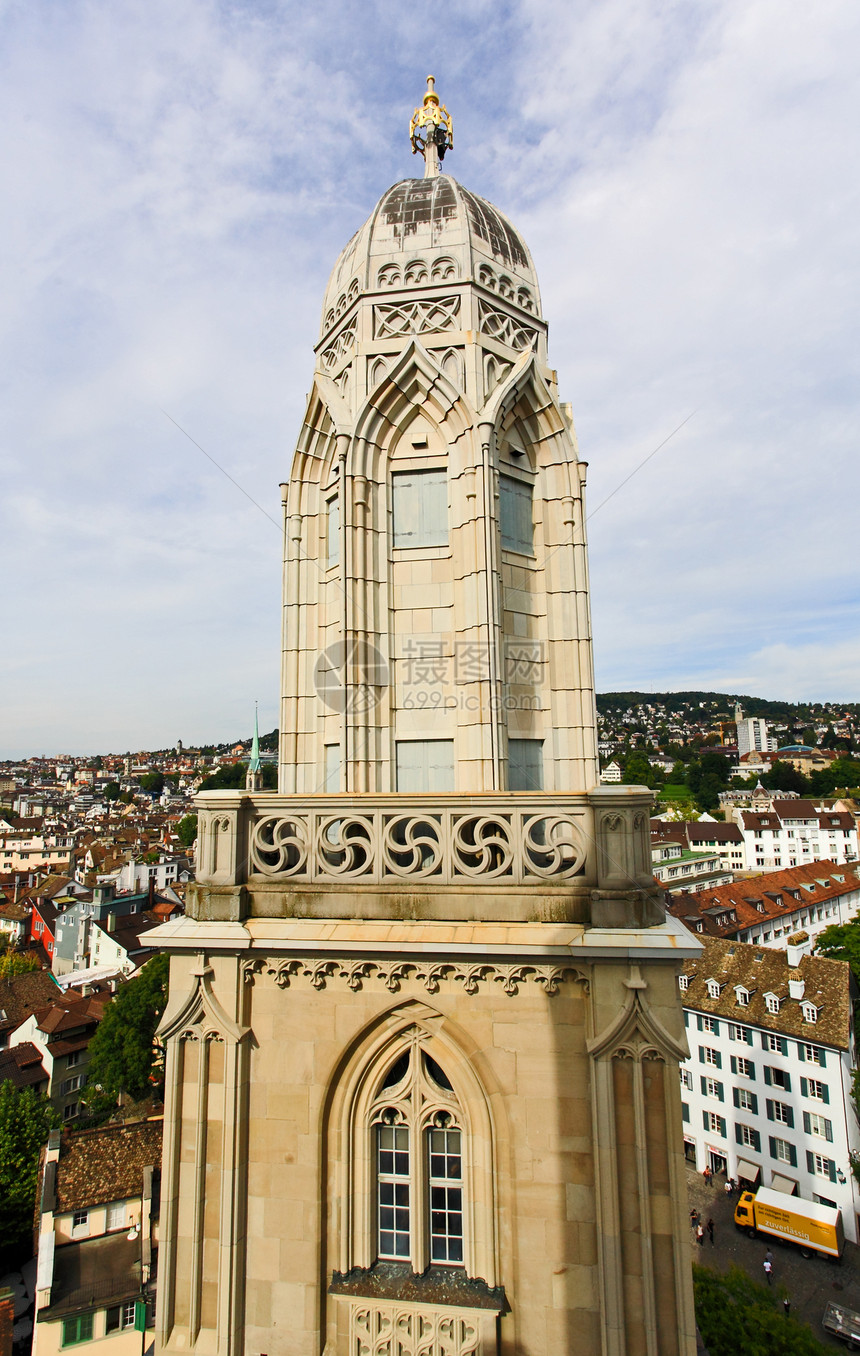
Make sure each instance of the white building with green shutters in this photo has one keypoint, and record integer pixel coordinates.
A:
(766, 1091)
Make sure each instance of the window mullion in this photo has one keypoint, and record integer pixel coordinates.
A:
(420, 1202)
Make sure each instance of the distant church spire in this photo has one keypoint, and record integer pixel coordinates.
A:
(254, 775)
(431, 130)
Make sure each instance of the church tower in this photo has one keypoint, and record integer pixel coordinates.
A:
(424, 1028)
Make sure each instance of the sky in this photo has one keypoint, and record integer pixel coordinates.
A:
(180, 179)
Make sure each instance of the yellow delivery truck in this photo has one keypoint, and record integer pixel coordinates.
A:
(814, 1228)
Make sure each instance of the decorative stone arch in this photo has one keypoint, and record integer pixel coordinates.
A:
(350, 1230)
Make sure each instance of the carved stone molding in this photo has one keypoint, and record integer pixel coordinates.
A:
(342, 344)
(415, 317)
(506, 328)
(354, 974)
(440, 845)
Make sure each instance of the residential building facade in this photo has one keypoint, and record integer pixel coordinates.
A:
(770, 909)
(98, 1240)
(793, 833)
(767, 1090)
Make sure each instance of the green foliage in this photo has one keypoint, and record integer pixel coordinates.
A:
(841, 941)
(125, 797)
(26, 1120)
(785, 777)
(735, 1314)
(14, 963)
(111, 791)
(637, 771)
(186, 830)
(153, 782)
(231, 777)
(122, 1052)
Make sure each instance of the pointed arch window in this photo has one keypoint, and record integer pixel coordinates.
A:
(418, 1142)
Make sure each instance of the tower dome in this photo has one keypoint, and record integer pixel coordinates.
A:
(432, 231)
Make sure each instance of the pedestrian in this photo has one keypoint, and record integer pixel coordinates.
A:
(700, 1236)
(786, 1304)
(768, 1257)
(694, 1217)
(710, 1228)
(729, 1188)
(706, 1173)
(768, 1270)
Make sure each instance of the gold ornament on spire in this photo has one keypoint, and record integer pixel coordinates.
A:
(431, 130)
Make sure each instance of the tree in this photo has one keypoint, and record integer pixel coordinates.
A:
(153, 782)
(735, 1313)
(14, 963)
(785, 777)
(639, 772)
(186, 830)
(841, 941)
(111, 791)
(123, 1052)
(26, 1120)
(231, 777)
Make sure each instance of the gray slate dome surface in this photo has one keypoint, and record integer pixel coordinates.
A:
(425, 231)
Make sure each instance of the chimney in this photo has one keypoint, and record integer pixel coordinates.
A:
(111, 922)
(796, 988)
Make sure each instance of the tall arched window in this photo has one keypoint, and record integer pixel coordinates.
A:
(416, 1126)
(411, 1165)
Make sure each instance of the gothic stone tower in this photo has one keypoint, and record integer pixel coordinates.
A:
(424, 1029)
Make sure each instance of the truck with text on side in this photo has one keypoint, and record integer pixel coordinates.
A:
(814, 1228)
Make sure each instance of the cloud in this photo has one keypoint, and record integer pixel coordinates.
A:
(183, 179)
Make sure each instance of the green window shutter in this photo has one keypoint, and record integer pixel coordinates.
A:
(699, 1021)
(807, 1124)
(734, 1064)
(735, 1095)
(739, 1139)
(822, 1059)
(731, 1032)
(705, 1120)
(772, 1146)
(788, 1082)
(767, 1077)
(826, 1092)
(828, 1131)
(719, 1063)
(704, 1082)
(752, 1071)
(720, 1092)
(716, 1028)
(722, 1121)
(801, 1053)
(757, 1144)
(749, 1038)
(685, 1111)
(769, 1105)
(804, 1087)
(792, 1155)
(790, 1121)
(701, 1054)
(810, 1161)
(832, 1170)
(784, 1045)
(754, 1105)
(686, 1017)
(764, 1040)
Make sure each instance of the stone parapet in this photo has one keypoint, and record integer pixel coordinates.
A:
(582, 857)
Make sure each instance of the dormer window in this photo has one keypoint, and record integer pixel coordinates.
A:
(771, 1002)
(713, 989)
(810, 1012)
(742, 996)
(683, 982)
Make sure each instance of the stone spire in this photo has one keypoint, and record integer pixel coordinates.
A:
(254, 775)
(431, 130)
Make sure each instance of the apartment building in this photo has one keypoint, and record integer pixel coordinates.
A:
(793, 832)
(766, 1091)
(769, 909)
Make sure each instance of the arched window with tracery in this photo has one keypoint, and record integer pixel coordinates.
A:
(412, 1178)
(416, 1126)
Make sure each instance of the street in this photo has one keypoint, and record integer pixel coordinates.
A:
(810, 1284)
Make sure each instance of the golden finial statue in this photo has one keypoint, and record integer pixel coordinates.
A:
(431, 130)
